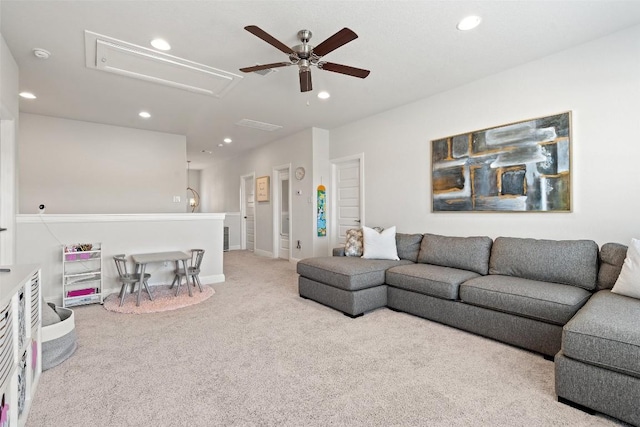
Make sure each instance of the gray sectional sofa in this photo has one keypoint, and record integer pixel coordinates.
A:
(547, 296)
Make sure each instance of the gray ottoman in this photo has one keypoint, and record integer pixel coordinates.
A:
(349, 284)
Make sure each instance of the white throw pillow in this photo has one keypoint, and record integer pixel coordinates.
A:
(380, 245)
(628, 282)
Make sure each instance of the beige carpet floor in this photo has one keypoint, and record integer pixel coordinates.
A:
(256, 354)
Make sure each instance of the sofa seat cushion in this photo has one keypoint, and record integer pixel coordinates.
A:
(348, 273)
(605, 333)
(433, 280)
(545, 301)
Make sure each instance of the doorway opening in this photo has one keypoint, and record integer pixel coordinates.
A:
(347, 176)
(282, 212)
(247, 212)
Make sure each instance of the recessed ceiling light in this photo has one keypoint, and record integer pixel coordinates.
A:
(227, 140)
(144, 114)
(41, 53)
(469, 23)
(324, 95)
(160, 44)
(27, 95)
(220, 145)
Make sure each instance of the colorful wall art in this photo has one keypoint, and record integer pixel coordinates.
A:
(519, 167)
(322, 211)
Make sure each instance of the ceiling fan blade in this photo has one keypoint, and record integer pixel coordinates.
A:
(344, 69)
(305, 80)
(258, 32)
(264, 67)
(340, 38)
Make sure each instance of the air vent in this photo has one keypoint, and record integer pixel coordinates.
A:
(265, 72)
(258, 125)
(126, 59)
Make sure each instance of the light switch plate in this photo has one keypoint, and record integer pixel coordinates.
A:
(176, 199)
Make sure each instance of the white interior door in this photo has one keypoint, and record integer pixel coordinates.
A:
(284, 214)
(348, 198)
(247, 194)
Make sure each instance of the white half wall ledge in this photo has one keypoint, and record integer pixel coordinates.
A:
(119, 234)
(36, 218)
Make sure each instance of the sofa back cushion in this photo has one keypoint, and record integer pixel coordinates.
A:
(408, 246)
(612, 256)
(466, 253)
(570, 262)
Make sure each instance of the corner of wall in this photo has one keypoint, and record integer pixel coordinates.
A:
(321, 176)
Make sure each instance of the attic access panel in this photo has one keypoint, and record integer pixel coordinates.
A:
(126, 59)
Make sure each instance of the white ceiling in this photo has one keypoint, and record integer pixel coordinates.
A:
(411, 47)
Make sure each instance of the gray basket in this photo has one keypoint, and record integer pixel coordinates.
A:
(59, 340)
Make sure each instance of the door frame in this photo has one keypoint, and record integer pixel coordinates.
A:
(243, 211)
(8, 177)
(335, 232)
(275, 178)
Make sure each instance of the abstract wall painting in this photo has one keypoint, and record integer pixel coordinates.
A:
(519, 167)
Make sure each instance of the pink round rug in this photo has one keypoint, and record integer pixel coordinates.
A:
(164, 299)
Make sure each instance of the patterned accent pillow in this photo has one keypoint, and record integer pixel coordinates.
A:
(353, 245)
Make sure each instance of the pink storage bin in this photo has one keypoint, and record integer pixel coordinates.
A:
(80, 292)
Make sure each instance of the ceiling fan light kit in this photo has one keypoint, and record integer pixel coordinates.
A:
(305, 55)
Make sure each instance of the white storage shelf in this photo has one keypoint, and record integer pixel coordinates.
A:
(81, 274)
(20, 341)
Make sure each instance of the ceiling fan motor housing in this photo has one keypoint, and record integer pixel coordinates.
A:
(304, 36)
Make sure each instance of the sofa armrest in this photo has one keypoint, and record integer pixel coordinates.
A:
(338, 251)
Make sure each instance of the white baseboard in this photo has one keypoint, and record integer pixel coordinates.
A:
(260, 252)
(214, 278)
(235, 248)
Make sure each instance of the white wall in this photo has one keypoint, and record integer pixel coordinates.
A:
(79, 167)
(8, 81)
(221, 189)
(321, 175)
(598, 81)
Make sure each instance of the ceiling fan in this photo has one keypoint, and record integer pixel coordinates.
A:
(305, 55)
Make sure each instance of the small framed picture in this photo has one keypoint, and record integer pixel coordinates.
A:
(262, 189)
